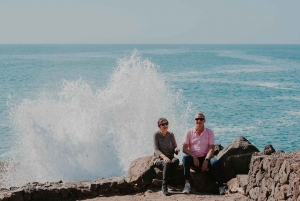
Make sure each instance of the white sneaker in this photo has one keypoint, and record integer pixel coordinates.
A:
(187, 188)
(222, 191)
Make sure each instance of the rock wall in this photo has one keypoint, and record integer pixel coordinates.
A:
(274, 177)
(67, 191)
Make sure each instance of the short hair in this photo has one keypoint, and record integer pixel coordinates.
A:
(200, 113)
(160, 120)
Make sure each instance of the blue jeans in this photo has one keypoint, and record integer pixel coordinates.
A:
(188, 162)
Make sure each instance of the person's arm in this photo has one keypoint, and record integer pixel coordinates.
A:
(188, 152)
(185, 144)
(157, 152)
(176, 149)
(207, 158)
(211, 149)
(210, 152)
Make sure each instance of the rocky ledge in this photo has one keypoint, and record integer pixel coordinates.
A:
(266, 175)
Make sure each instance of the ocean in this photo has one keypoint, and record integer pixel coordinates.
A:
(82, 112)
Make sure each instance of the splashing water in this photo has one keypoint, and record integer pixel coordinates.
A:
(82, 133)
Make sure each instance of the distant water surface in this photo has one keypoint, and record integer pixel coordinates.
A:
(87, 110)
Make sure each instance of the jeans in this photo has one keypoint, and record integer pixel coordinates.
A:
(188, 162)
(169, 170)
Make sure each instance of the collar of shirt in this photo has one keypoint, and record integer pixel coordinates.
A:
(194, 131)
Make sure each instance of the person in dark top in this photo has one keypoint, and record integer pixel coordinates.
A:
(164, 144)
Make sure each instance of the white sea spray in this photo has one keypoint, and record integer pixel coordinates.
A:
(81, 132)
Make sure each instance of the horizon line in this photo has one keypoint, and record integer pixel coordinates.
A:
(149, 43)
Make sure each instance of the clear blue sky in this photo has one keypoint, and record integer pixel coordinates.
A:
(150, 21)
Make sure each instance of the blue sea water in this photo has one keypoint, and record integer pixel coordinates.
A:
(86, 111)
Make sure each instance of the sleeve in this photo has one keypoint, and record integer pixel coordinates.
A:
(211, 138)
(174, 141)
(157, 152)
(186, 138)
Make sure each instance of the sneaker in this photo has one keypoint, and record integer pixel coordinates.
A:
(222, 190)
(187, 188)
(165, 192)
(171, 188)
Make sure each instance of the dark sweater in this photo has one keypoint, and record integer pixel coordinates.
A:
(164, 145)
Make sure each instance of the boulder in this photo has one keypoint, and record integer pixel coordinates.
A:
(268, 150)
(141, 171)
(238, 184)
(203, 181)
(157, 182)
(239, 146)
(235, 158)
(236, 164)
(218, 148)
(233, 185)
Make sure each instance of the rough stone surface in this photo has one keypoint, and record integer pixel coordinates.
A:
(268, 150)
(235, 158)
(53, 191)
(239, 146)
(242, 182)
(157, 182)
(233, 185)
(203, 181)
(141, 171)
(218, 148)
(274, 177)
(238, 184)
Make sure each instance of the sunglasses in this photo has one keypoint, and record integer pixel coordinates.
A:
(201, 119)
(164, 124)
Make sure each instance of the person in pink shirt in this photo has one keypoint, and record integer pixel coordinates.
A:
(198, 145)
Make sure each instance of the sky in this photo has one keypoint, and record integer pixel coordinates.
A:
(149, 22)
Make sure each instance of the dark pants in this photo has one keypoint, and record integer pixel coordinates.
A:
(188, 162)
(169, 170)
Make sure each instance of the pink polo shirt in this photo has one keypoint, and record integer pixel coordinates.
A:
(199, 144)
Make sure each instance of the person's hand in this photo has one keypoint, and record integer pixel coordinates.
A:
(196, 161)
(204, 166)
(167, 160)
(177, 150)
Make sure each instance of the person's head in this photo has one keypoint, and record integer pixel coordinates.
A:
(163, 124)
(199, 119)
